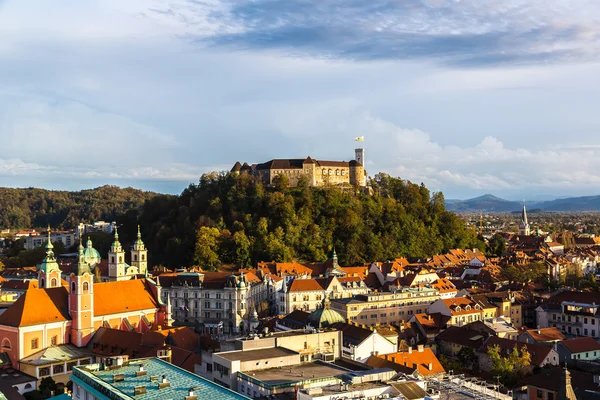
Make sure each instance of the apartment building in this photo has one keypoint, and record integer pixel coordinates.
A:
(385, 307)
(574, 313)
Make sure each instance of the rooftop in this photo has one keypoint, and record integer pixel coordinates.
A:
(122, 382)
(297, 373)
(259, 354)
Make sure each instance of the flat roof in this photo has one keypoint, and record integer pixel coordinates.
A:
(258, 354)
(180, 381)
(297, 373)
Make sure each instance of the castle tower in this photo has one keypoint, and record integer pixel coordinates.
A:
(139, 254)
(116, 260)
(49, 273)
(81, 302)
(524, 225)
(359, 156)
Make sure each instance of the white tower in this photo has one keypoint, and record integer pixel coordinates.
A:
(116, 260)
(139, 255)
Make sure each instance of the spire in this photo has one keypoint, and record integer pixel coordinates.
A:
(524, 214)
(138, 244)
(49, 263)
(566, 390)
(139, 235)
(116, 234)
(49, 243)
(116, 245)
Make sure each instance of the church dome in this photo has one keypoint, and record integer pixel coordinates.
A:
(324, 317)
(90, 254)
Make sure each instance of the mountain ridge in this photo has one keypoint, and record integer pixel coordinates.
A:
(491, 203)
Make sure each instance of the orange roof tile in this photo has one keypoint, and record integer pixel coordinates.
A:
(38, 306)
(122, 296)
(425, 361)
(304, 285)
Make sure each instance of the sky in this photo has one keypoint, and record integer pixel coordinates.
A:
(466, 96)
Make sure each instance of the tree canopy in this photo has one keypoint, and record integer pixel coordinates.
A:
(31, 207)
(235, 219)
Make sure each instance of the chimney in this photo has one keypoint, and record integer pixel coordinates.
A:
(393, 359)
(376, 353)
(420, 348)
(415, 366)
(164, 379)
(409, 349)
(386, 356)
(430, 366)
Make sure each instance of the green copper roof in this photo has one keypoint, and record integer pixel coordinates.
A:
(138, 244)
(49, 263)
(324, 317)
(90, 253)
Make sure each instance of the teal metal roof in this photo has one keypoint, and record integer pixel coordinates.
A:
(102, 382)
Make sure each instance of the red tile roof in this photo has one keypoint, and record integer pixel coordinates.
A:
(122, 296)
(581, 344)
(425, 361)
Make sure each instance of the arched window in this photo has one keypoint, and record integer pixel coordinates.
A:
(337, 172)
(112, 259)
(324, 171)
(330, 171)
(28, 386)
(120, 259)
(6, 344)
(73, 287)
(42, 281)
(143, 257)
(53, 282)
(135, 257)
(86, 286)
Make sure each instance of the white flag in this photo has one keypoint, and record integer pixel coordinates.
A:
(359, 139)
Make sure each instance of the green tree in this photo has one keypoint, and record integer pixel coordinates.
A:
(205, 254)
(497, 245)
(47, 386)
(511, 367)
(242, 248)
(467, 357)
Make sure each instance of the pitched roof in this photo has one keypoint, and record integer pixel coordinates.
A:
(122, 296)
(304, 285)
(544, 334)
(19, 284)
(581, 344)
(38, 306)
(422, 360)
(538, 352)
(352, 334)
(462, 336)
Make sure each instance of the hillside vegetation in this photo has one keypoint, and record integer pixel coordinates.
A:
(237, 220)
(26, 208)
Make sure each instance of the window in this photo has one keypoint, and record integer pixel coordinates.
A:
(143, 257)
(86, 286)
(207, 315)
(218, 305)
(112, 259)
(53, 340)
(218, 295)
(585, 321)
(135, 257)
(70, 365)
(207, 295)
(6, 344)
(58, 369)
(35, 343)
(73, 287)
(53, 282)
(44, 371)
(207, 304)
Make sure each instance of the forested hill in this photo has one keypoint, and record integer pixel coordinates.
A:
(235, 219)
(25, 208)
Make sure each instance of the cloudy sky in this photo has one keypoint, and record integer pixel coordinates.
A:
(467, 96)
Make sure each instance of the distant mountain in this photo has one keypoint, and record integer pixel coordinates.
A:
(585, 203)
(491, 203)
(485, 203)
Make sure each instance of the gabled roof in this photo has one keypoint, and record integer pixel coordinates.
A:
(38, 306)
(544, 334)
(421, 360)
(352, 334)
(55, 354)
(581, 344)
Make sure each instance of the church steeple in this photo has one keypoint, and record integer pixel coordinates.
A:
(566, 391)
(524, 225)
(116, 259)
(49, 274)
(139, 255)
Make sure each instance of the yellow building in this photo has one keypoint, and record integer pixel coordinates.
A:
(385, 308)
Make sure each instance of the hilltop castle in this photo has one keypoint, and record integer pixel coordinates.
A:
(317, 172)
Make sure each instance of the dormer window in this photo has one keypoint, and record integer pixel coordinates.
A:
(457, 309)
(477, 307)
(468, 308)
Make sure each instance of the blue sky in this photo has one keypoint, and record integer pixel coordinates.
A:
(467, 96)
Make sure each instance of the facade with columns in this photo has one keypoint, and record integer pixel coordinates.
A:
(68, 313)
(220, 303)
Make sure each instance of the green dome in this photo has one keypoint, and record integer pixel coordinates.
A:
(90, 253)
(324, 317)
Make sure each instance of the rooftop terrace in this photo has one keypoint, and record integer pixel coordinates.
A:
(129, 382)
